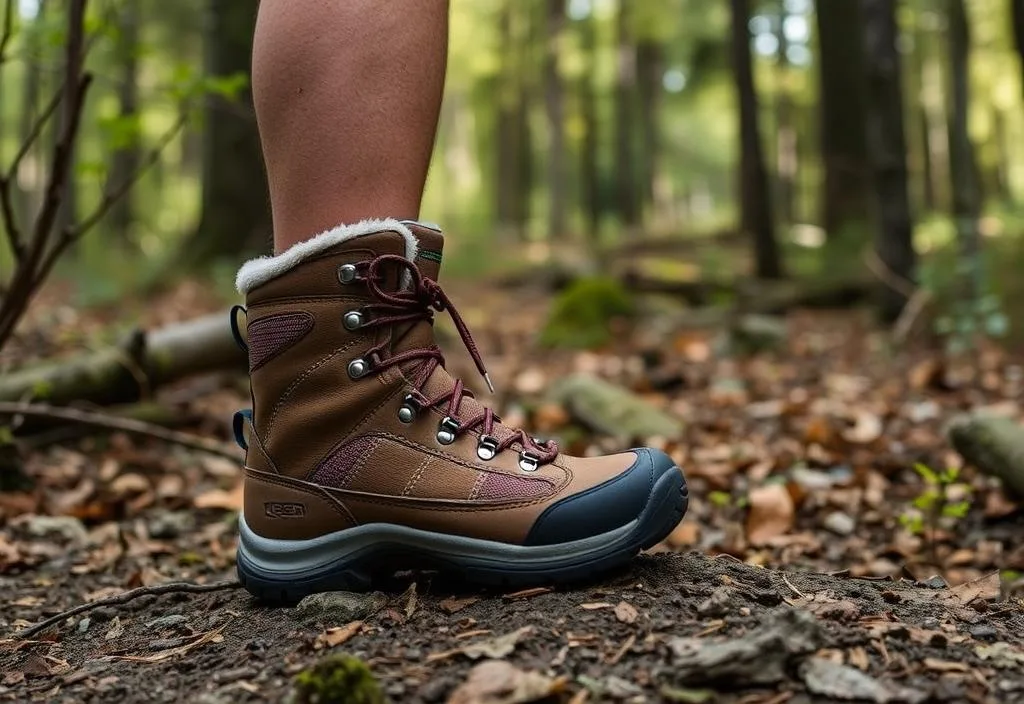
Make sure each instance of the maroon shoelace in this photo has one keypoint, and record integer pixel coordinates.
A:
(416, 302)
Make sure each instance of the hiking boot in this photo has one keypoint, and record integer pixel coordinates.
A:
(365, 454)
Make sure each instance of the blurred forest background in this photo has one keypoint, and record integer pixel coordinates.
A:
(691, 143)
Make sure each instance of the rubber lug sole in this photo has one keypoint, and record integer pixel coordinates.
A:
(356, 571)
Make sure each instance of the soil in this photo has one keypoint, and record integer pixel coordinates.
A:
(918, 642)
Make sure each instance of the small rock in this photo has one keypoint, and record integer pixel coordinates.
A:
(168, 525)
(167, 621)
(829, 679)
(982, 631)
(718, 604)
(934, 582)
(619, 688)
(840, 523)
(83, 625)
(68, 527)
(338, 608)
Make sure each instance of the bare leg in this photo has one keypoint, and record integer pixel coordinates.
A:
(347, 95)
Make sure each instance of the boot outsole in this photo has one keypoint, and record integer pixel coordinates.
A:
(567, 563)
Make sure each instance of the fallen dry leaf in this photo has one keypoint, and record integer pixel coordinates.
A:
(528, 593)
(213, 636)
(500, 682)
(336, 636)
(985, 588)
(596, 605)
(452, 604)
(771, 513)
(626, 612)
(220, 499)
(866, 429)
(946, 665)
(499, 647)
(115, 630)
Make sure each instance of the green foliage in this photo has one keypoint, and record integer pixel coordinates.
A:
(337, 679)
(936, 505)
(962, 319)
(582, 315)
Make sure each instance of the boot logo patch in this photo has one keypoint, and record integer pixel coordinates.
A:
(278, 509)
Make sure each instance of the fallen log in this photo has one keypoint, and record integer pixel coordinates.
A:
(133, 369)
(994, 445)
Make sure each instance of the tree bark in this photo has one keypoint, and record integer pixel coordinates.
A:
(589, 178)
(649, 67)
(843, 140)
(625, 98)
(962, 161)
(133, 369)
(755, 199)
(785, 137)
(126, 159)
(235, 205)
(554, 104)
(514, 164)
(887, 150)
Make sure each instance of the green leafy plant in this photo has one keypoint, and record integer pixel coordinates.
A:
(337, 678)
(943, 499)
(581, 316)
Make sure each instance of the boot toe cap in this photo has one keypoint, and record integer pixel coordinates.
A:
(604, 507)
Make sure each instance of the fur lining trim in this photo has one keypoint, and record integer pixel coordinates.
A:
(256, 272)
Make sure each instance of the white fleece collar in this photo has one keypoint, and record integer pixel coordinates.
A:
(256, 272)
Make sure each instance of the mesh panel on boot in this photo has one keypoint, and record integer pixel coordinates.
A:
(270, 336)
(497, 487)
(339, 466)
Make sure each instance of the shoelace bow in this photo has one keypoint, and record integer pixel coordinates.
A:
(416, 302)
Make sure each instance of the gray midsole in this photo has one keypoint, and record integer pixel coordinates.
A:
(301, 556)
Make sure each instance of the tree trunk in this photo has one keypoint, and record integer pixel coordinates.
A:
(649, 67)
(785, 138)
(235, 207)
(589, 178)
(625, 90)
(67, 212)
(755, 199)
(887, 149)
(554, 104)
(29, 196)
(513, 177)
(125, 160)
(962, 163)
(843, 139)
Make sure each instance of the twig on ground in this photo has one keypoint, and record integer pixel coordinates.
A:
(128, 425)
(909, 315)
(795, 590)
(125, 597)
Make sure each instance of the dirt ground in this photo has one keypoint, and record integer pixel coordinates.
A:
(782, 637)
(794, 578)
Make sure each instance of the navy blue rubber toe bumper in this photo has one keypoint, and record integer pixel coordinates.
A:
(604, 507)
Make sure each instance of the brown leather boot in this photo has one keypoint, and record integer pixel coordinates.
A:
(365, 454)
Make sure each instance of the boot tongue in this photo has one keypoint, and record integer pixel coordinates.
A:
(428, 256)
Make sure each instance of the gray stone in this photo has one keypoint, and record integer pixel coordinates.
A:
(167, 621)
(612, 410)
(840, 523)
(842, 682)
(67, 527)
(83, 625)
(168, 525)
(338, 608)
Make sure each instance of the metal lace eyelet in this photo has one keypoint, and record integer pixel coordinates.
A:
(528, 462)
(358, 368)
(347, 273)
(353, 320)
(410, 407)
(486, 447)
(446, 430)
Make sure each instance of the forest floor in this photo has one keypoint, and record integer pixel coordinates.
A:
(803, 572)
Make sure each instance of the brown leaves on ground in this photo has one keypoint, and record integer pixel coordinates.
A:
(771, 513)
(499, 682)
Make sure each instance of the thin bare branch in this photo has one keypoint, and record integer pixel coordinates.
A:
(107, 202)
(127, 425)
(124, 598)
(34, 132)
(8, 31)
(115, 194)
